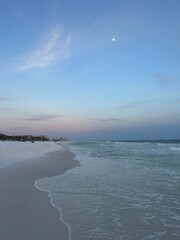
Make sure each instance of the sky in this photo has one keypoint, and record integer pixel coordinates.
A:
(90, 69)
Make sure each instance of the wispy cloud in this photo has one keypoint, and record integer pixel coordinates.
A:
(109, 120)
(136, 104)
(168, 83)
(3, 99)
(54, 48)
(18, 128)
(41, 117)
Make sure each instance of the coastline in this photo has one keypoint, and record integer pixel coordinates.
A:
(26, 211)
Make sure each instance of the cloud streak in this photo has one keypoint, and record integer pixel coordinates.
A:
(18, 128)
(170, 84)
(109, 120)
(136, 104)
(41, 117)
(167, 81)
(3, 99)
(54, 48)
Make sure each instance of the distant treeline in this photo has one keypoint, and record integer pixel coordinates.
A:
(23, 138)
(30, 138)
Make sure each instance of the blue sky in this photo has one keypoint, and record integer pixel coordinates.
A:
(90, 69)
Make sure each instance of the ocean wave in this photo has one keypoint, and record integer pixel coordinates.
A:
(175, 148)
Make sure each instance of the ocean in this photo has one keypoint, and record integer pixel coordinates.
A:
(123, 190)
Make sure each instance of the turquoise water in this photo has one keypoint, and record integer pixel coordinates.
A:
(123, 190)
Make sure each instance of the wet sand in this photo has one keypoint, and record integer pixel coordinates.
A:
(26, 212)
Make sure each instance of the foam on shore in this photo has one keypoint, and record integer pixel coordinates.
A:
(59, 209)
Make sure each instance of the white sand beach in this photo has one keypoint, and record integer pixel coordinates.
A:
(26, 212)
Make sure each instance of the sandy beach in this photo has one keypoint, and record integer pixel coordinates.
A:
(26, 212)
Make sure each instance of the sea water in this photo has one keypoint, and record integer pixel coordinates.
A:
(123, 190)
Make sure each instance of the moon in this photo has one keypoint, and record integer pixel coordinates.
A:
(113, 39)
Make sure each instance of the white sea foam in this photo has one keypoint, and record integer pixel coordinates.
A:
(59, 209)
(175, 148)
(13, 152)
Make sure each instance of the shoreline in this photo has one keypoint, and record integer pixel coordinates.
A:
(26, 211)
